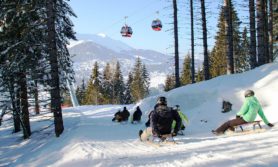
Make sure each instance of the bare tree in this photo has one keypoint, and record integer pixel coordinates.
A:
(229, 36)
(176, 38)
(260, 6)
(192, 43)
(252, 23)
(270, 28)
(204, 25)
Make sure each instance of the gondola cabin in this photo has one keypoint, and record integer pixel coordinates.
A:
(157, 25)
(126, 31)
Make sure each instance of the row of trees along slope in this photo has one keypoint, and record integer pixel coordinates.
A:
(110, 88)
(235, 50)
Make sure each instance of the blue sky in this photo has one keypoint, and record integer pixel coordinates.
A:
(107, 16)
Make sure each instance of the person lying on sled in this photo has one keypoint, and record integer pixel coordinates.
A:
(161, 122)
(248, 113)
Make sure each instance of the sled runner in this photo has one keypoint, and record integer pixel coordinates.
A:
(254, 124)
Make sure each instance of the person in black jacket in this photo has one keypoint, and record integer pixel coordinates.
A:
(125, 114)
(121, 115)
(161, 121)
(137, 115)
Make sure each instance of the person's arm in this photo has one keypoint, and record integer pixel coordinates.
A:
(183, 117)
(177, 118)
(261, 114)
(243, 109)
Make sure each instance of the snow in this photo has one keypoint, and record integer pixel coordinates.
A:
(90, 137)
(74, 43)
(101, 35)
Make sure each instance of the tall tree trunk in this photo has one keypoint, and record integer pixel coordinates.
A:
(192, 43)
(36, 95)
(252, 51)
(266, 36)
(15, 105)
(260, 32)
(229, 36)
(205, 45)
(24, 105)
(271, 31)
(176, 38)
(53, 56)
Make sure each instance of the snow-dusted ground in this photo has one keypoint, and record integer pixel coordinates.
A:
(92, 139)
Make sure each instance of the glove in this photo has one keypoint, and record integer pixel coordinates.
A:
(174, 134)
(270, 124)
(237, 116)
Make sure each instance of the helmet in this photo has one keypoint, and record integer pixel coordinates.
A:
(161, 100)
(249, 93)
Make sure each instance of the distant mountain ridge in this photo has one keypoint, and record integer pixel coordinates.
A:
(100, 48)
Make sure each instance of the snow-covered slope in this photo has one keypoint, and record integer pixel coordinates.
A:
(92, 139)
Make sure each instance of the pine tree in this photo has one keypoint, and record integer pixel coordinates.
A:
(119, 86)
(127, 93)
(186, 75)
(80, 92)
(200, 75)
(242, 63)
(217, 58)
(137, 88)
(169, 82)
(108, 85)
(93, 94)
(140, 81)
(146, 80)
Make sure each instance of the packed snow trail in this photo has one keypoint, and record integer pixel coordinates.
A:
(92, 139)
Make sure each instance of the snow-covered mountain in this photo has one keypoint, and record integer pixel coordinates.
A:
(100, 48)
(91, 139)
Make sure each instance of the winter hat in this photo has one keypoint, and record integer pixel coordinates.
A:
(249, 93)
(161, 100)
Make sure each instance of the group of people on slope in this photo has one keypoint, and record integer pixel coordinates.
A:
(164, 120)
(121, 116)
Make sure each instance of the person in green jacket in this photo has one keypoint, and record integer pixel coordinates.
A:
(183, 118)
(248, 113)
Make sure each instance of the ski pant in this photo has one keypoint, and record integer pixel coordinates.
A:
(230, 125)
(147, 134)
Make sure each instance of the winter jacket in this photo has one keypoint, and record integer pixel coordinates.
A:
(125, 114)
(162, 118)
(137, 115)
(183, 119)
(250, 108)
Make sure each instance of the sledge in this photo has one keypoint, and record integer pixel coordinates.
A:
(245, 132)
(254, 124)
(166, 139)
(247, 128)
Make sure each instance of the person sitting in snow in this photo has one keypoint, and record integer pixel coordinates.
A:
(121, 115)
(248, 112)
(184, 120)
(161, 119)
(136, 115)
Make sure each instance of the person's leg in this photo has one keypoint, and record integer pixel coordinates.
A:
(147, 133)
(230, 125)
